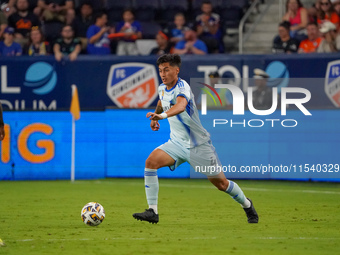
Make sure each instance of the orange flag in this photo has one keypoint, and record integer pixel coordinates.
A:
(75, 109)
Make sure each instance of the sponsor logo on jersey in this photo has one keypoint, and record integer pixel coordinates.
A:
(132, 85)
(332, 82)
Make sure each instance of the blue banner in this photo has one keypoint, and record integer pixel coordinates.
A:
(116, 143)
(41, 83)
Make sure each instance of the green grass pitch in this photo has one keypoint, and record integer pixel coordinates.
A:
(195, 218)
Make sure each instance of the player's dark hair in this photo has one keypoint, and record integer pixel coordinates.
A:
(172, 59)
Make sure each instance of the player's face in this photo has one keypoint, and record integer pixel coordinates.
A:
(168, 73)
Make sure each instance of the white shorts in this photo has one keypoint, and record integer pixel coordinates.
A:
(202, 158)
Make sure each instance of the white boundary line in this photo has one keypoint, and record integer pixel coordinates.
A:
(113, 238)
(244, 188)
(185, 238)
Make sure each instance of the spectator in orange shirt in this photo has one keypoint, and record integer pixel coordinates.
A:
(327, 13)
(313, 41)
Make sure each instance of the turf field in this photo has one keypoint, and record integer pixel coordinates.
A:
(44, 218)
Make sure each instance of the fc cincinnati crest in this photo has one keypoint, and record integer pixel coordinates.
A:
(132, 85)
(332, 82)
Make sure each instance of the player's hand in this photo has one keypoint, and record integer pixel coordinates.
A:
(154, 116)
(154, 125)
(2, 133)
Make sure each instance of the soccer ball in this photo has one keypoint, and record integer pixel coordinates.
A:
(93, 214)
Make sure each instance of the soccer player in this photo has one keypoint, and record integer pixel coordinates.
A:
(2, 126)
(189, 141)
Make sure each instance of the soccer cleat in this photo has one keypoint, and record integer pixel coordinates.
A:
(149, 215)
(251, 213)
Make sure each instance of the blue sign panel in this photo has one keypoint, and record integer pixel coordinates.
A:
(116, 143)
(41, 83)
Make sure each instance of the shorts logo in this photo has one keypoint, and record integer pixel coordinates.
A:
(332, 82)
(132, 85)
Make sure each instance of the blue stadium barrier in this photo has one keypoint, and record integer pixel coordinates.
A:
(41, 83)
(115, 143)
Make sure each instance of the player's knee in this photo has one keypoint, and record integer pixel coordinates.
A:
(222, 185)
(151, 163)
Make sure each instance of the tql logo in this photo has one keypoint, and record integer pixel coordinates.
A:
(132, 85)
(332, 82)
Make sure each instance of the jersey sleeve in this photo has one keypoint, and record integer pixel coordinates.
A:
(183, 90)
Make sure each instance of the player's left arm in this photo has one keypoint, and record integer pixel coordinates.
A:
(179, 107)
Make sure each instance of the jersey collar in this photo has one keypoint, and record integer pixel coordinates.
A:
(178, 81)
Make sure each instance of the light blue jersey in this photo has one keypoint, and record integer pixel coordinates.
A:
(186, 127)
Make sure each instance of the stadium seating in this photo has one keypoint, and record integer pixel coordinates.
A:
(156, 14)
(171, 7)
(52, 30)
(230, 16)
(196, 4)
(96, 4)
(118, 4)
(243, 4)
(146, 10)
(150, 29)
(32, 4)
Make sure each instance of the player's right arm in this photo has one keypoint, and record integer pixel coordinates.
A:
(154, 123)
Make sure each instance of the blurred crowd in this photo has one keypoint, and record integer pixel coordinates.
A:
(309, 30)
(67, 28)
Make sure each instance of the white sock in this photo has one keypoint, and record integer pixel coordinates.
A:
(151, 188)
(237, 194)
(154, 207)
